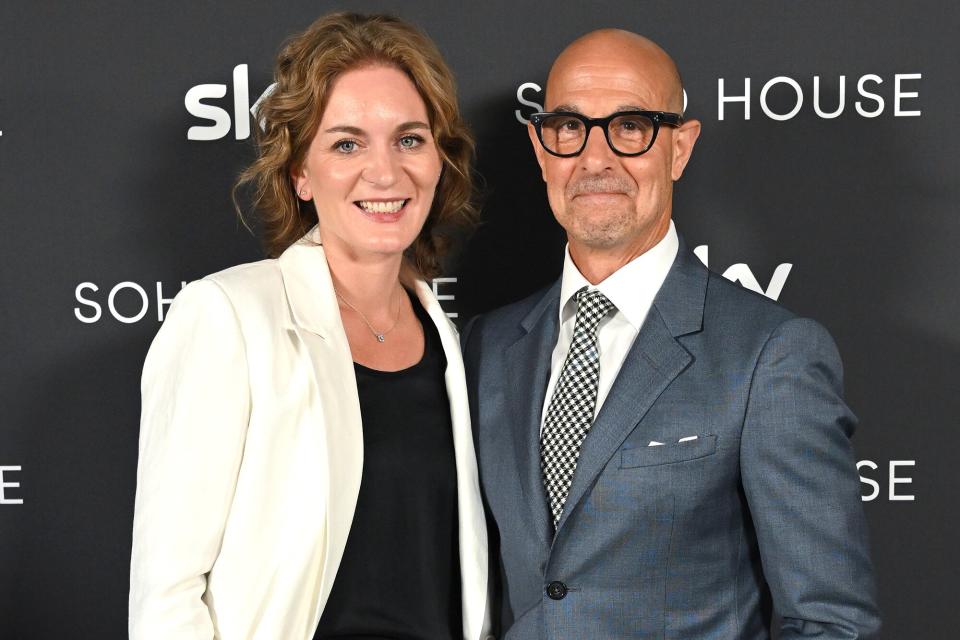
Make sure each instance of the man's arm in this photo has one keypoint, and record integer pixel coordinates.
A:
(801, 483)
(465, 333)
(471, 357)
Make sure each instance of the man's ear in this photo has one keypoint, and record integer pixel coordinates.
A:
(683, 140)
(537, 148)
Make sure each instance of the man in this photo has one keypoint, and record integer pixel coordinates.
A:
(663, 454)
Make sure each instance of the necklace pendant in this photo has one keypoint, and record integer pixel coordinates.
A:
(380, 337)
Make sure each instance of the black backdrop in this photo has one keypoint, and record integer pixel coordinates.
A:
(108, 206)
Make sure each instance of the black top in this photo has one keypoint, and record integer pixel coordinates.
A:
(400, 573)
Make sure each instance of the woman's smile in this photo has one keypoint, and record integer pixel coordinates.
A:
(383, 210)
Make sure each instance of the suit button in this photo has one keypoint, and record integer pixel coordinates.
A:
(556, 590)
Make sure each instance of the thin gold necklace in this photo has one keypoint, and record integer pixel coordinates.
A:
(379, 335)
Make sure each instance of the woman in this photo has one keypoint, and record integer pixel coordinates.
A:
(306, 463)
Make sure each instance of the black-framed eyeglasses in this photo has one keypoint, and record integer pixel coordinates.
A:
(629, 133)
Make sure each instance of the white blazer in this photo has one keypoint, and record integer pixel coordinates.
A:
(251, 452)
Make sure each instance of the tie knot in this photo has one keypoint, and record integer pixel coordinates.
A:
(592, 306)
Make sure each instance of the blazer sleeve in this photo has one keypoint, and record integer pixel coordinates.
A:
(801, 483)
(195, 409)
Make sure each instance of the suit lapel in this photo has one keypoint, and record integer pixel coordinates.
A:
(528, 371)
(652, 363)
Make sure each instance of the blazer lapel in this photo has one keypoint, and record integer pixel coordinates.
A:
(528, 371)
(473, 526)
(334, 407)
(654, 360)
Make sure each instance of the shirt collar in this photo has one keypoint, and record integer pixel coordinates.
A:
(631, 288)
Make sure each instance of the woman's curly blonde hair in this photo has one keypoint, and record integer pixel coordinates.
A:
(306, 69)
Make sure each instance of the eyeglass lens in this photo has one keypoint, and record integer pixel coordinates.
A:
(627, 134)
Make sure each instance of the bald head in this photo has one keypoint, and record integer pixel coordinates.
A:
(613, 206)
(606, 51)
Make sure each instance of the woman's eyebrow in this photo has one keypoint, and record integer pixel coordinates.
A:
(356, 131)
(416, 124)
(345, 129)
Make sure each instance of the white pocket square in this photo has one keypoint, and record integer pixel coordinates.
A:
(654, 443)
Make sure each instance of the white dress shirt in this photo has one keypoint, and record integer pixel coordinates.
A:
(631, 289)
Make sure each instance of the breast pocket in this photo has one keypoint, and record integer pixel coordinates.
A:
(673, 453)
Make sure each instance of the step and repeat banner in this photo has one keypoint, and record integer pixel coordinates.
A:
(825, 178)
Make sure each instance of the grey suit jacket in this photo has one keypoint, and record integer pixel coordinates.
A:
(692, 540)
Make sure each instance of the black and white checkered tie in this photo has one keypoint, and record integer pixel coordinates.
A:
(571, 408)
